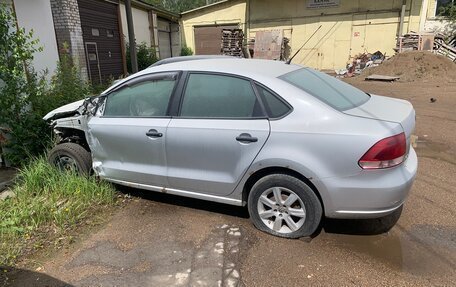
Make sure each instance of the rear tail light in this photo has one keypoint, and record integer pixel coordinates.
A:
(387, 152)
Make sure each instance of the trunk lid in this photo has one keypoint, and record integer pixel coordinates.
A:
(387, 109)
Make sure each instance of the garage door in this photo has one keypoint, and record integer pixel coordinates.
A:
(208, 39)
(164, 38)
(100, 32)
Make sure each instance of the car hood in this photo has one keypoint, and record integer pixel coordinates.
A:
(387, 109)
(64, 111)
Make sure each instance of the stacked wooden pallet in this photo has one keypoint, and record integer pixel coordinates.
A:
(232, 40)
(408, 42)
(442, 48)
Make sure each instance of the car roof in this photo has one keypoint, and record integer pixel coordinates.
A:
(186, 58)
(231, 65)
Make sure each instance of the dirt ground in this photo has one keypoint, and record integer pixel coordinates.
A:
(416, 66)
(162, 240)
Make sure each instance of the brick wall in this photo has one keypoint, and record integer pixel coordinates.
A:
(68, 30)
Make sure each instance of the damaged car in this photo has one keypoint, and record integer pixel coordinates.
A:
(292, 144)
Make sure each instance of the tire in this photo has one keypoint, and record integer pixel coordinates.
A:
(71, 156)
(303, 207)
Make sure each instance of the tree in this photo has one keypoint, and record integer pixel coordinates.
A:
(448, 15)
(179, 6)
(25, 96)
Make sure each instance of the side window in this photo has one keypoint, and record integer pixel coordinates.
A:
(145, 99)
(219, 96)
(274, 106)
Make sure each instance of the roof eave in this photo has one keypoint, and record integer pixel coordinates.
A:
(204, 7)
(159, 10)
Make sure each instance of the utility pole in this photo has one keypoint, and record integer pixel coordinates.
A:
(131, 37)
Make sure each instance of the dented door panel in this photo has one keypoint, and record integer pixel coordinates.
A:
(122, 150)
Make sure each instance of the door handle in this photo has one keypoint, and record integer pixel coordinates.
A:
(246, 138)
(154, 133)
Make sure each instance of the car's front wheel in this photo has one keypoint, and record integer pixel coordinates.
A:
(71, 156)
(284, 206)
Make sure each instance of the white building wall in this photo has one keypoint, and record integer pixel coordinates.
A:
(37, 15)
(140, 24)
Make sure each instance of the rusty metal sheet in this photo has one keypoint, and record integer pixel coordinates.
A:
(426, 42)
(268, 44)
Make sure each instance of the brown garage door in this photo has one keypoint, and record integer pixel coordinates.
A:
(100, 31)
(208, 39)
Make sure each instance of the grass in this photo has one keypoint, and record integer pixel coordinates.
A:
(48, 204)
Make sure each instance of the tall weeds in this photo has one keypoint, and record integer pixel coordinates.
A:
(50, 202)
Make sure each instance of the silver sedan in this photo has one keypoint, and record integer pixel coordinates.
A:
(293, 144)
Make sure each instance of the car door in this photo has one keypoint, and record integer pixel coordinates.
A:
(128, 139)
(220, 129)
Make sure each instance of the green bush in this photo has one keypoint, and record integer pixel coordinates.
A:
(47, 199)
(146, 56)
(25, 95)
(186, 51)
(67, 85)
(447, 14)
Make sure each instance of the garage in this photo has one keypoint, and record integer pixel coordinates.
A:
(164, 38)
(168, 38)
(102, 42)
(208, 39)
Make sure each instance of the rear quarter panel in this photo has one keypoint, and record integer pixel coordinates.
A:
(316, 140)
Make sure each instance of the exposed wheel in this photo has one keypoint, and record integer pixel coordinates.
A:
(284, 206)
(71, 156)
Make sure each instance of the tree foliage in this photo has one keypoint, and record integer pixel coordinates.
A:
(186, 51)
(25, 95)
(179, 6)
(448, 14)
(145, 55)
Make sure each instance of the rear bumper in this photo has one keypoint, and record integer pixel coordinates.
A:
(370, 193)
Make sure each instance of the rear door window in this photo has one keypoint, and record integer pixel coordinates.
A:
(339, 95)
(219, 96)
(275, 106)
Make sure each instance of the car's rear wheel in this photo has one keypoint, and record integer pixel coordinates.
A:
(284, 206)
(71, 156)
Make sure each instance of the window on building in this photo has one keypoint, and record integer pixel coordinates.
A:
(95, 32)
(92, 57)
(441, 7)
(110, 33)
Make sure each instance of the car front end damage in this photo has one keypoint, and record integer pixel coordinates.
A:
(69, 122)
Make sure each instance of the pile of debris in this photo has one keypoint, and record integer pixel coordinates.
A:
(415, 41)
(445, 49)
(427, 42)
(361, 62)
(415, 66)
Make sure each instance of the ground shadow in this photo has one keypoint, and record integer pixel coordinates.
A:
(374, 226)
(215, 207)
(338, 226)
(12, 277)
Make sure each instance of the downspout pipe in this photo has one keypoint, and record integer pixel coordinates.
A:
(401, 23)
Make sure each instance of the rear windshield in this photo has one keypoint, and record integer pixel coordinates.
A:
(330, 90)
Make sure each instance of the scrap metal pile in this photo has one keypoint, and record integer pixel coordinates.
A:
(361, 62)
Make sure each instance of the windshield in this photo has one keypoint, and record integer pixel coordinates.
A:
(330, 90)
